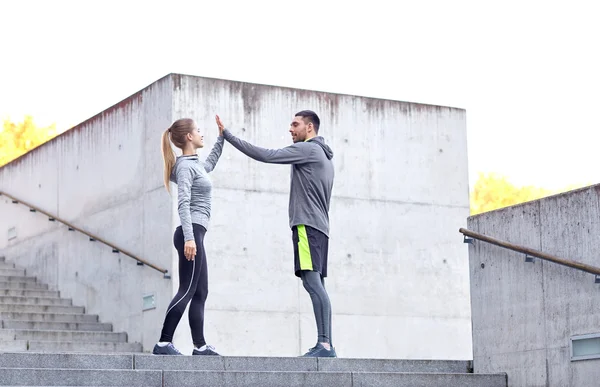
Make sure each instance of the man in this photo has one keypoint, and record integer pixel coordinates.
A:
(310, 193)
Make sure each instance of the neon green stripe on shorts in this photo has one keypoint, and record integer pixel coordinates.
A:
(304, 249)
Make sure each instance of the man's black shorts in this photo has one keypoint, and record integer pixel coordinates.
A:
(310, 250)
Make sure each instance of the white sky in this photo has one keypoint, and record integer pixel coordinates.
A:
(527, 72)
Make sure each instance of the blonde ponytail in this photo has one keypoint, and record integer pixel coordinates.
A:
(177, 134)
(168, 157)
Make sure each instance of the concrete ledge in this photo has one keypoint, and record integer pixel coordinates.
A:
(61, 369)
(29, 293)
(41, 308)
(297, 364)
(66, 361)
(22, 285)
(57, 346)
(61, 377)
(24, 300)
(17, 279)
(81, 336)
(166, 362)
(393, 365)
(12, 345)
(55, 326)
(346, 379)
(12, 272)
(249, 378)
(364, 379)
(48, 317)
(217, 363)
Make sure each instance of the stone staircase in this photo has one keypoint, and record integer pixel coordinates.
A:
(33, 369)
(33, 318)
(46, 341)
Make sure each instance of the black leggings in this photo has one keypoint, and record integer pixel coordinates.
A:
(193, 285)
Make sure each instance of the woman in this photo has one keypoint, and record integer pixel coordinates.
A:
(194, 204)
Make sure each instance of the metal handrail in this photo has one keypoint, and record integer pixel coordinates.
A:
(92, 237)
(533, 253)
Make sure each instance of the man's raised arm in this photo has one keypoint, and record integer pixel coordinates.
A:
(297, 153)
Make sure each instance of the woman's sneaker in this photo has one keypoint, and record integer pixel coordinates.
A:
(168, 349)
(206, 350)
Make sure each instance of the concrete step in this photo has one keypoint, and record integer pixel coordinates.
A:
(57, 369)
(343, 379)
(53, 347)
(17, 278)
(29, 293)
(49, 317)
(22, 285)
(80, 336)
(395, 365)
(402, 379)
(41, 308)
(55, 326)
(59, 377)
(7, 265)
(35, 301)
(296, 364)
(12, 346)
(98, 377)
(12, 272)
(66, 361)
(233, 363)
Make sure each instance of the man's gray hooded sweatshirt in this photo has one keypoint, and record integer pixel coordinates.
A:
(312, 177)
(194, 188)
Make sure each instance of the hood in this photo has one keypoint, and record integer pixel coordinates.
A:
(183, 159)
(321, 142)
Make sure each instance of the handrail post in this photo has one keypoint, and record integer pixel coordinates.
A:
(469, 240)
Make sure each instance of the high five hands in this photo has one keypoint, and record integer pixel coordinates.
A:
(220, 125)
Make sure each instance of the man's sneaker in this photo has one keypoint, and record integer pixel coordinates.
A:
(168, 349)
(320, 351)
(208, 350)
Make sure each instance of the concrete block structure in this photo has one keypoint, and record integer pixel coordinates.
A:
(398, 278)
(525, 314)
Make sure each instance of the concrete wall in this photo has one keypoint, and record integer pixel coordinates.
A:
(398, 279)
(103, 176)
(524, 314)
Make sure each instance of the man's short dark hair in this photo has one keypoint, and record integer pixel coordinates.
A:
(310, 116)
